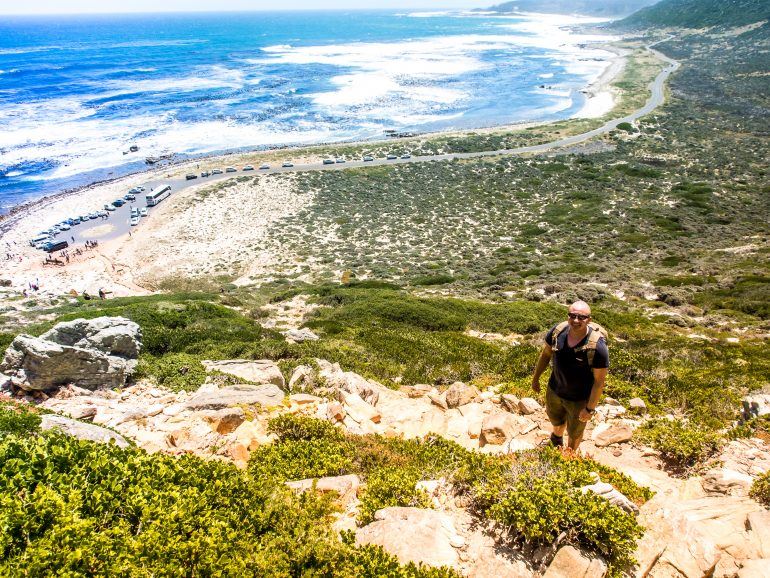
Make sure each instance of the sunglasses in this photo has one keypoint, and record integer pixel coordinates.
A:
(578, 316)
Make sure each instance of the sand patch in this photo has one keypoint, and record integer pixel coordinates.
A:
(99, 231)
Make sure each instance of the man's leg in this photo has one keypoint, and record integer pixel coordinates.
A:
(557, 415)
(575, 427)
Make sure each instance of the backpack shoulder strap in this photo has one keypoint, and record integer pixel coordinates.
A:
(557, 331)
(595, 333)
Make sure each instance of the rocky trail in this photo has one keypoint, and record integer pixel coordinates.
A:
(696, 527)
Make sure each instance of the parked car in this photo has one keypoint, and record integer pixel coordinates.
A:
(231, 170)
(287, 164)
(190, 177)
(134, 221)
(249, 168)
(129, 197)
(143, 212)
(109, 207)
(216, 171)
(368, 159)
(406, 156)
(264, 167)
(391, 157)
(339, 160)
(328, 161)
(205, 174)
(117, 203)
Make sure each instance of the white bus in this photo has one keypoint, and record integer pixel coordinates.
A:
(158, 195)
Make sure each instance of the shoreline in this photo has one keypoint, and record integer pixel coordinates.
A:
(117, 264)
(594, 90)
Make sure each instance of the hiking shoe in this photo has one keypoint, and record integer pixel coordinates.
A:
(553, 441)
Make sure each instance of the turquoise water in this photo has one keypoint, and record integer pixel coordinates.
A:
(76, 92)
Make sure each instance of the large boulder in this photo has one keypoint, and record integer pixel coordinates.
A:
(266, 395)
(460, 394)
(413, 535)
(348, 381)
(89, 357)
(116, 336)
(259, 371)
(80, 430)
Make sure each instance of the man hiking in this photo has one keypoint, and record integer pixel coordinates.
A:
(578, 351)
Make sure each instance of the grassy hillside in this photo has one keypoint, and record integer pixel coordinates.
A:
(607, 8)
(701, 13)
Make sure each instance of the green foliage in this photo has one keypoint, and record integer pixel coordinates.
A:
(683, 444)
(429, 280)
(175, 371)
(538, 498)
(18, 419)
(391, 487)
(626, 126)
(289, 427)
(760, 489)
(77, 508)
(700, 13)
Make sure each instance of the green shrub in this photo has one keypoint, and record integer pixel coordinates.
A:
(433, 280)
(683, 444)
(76, 508)
(175, 371)
(760, 489)
(538, 497)
(391, 487)
(291, 427)
(18, 419)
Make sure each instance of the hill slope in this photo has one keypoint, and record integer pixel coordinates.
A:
(701, 13)
(608, 8)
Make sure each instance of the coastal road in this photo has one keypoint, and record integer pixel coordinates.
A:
(119, 219)
(656, 98)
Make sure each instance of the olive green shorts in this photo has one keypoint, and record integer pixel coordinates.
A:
(561, 411)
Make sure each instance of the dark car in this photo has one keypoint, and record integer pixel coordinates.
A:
(191, 177)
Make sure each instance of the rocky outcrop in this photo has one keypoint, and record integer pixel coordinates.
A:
(80, 430)
(348, 381)
(346, 487)
(259, 371)
(92, 353)
(414, 535)
(570, 562)
(267, 395)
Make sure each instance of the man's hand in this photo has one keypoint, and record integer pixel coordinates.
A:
(536, 385)
(585, 415)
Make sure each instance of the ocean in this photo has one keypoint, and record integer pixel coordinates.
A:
(76, 92)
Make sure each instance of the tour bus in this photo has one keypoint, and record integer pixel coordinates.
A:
(158, 195)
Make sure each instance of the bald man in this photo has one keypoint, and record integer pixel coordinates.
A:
(580, 360)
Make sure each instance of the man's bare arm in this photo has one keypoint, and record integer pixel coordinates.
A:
(542, 363)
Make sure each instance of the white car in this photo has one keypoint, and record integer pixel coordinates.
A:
(287, 164)
(109, 207)
(231, 170)
(216, 171)
(134, 221)
(249, 168)
(143, 212)
(64, 227)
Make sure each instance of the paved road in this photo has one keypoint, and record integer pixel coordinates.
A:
(119, 219)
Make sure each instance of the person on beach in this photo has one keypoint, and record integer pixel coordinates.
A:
(577, 350)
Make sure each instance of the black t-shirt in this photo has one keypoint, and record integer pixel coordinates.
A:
(571, 377)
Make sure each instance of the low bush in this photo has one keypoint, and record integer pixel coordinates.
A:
(760, 489)
(77, 508)
(175, 371)
(18, 419)
(683, 444)
(388, 487)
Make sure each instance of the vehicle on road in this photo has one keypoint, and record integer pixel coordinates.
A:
(156, 196)
(263, 167)
(391, 157)
(55, 246)
(368, 159)
(205, 174)
(118, 203)
(216, 171)
(74, 221)
(231, 170)
(190, 177)
(109, 207)
(93, 215)
(129, 197)
(134, 221)
(143, 212)
(287, 164)
(328, 161)
(64, 227)
(249, 168)
(339, 160)
(39, 239)
(406, 156)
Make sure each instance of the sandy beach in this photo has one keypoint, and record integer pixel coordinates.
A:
(203, 231)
